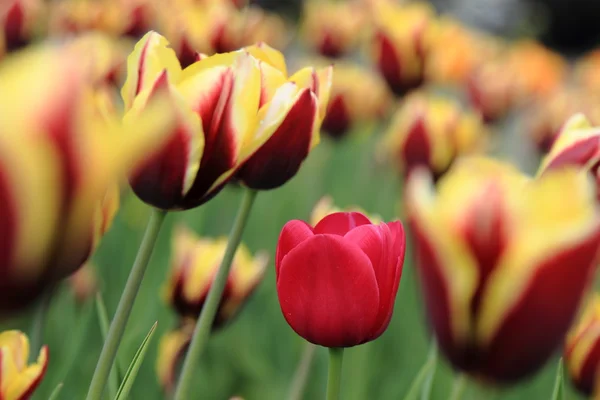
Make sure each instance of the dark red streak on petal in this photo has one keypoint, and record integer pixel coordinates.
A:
(337, 120)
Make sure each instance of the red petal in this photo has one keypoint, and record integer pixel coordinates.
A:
(579, 154)
(14, 22)
(537, 325)
(417, 147)
(341, 223)
(384, 245)
(328, 292)
(292, 234)
(586, 381)
(337, 120)
(279, 159)
(8, 226)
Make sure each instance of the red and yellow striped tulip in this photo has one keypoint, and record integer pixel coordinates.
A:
(582, 349)
(18, 379)
(58, 145)
(491, 89)
(171, 350)
(68, 17)
(431, 131)
(19, 22)
(401, 43)
(504, 261)
(195, 262)
(332, 28)
(357, 96)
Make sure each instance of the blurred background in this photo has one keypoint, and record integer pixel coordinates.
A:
(524, 67)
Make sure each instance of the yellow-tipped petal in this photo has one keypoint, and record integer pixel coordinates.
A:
(28, 378)
(269, 55)
(150, 58)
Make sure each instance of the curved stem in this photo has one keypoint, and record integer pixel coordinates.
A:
(334, 379)
(119, 322)
(209, 310)
(301, 374)
(458, 388)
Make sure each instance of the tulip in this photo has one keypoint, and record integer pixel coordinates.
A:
(68, 17)
(332, 29)
(139, 16)
(401, 42)
(171, 349)
(337, 282)
(586, 73)
(193, 267)
(18, 380)
(84, 283)
(19, 20)
(582, 349)
(350, 103)
(432, 131)
(577, 145)
(325, 206)
(61, 157)
(491, 88)
(503, 261)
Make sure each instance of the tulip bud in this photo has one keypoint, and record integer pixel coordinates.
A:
(582, 349)
(57, 145)
(337, 282)
(503, 261)
(18, 21)
(491, 88)
(193, 267)
(171, 351)
(331, 28)
(401, 43)
(350, 103)
(432, 131)
(18, 380)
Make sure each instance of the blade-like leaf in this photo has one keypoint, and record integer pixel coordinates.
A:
(428, 383)
(104, 322)
(134, 367)
(422, 382)
(558, 392)
(56, 392)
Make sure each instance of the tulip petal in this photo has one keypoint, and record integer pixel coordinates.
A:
(384, 245)
(582, 350)
(28, 379)
(293, 233)
(281, 143)
(328, 291)
(341, 223)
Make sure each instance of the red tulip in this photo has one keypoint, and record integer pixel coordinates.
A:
(337, 282)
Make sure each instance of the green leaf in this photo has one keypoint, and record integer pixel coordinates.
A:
(132, 371)
(104, 322)
(558, 392)
(422, 382)
(56, 392)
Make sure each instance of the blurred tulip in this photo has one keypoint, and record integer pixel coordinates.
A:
(138, 16)
(548, 115)
(587, 71)
(68, 17)
(261, 26)
(432, 131)
(84, 283)
(195, 262)
(503, 262)
(357, 96)
(401, 42)
(325, 206)
(491, 88)
(171, 350)
(18, 379)
(332, 28)
(291, 113)
(582, 349)
(57, 145)
(19, 20)
(538, 70)
(337, 282)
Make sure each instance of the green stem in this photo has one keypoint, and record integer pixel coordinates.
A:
(458, 387)
(558, 392)
(209, 310)
(36, 336)
(301, 374)
(334, 379)
(119, 322)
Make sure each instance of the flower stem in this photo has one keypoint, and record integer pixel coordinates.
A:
(334, 380)
(36, 336)
(301, 374)
(209, 310)
(558, 391)
(458, 387)
(119, 322)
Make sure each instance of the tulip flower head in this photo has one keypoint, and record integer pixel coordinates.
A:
(337, 281)
(193, 267)
(401, 42)
(582, 349)
(491, 88)
(171, 350)
(432, 131)
(19, 20)
(586, 71)
(504, 261)
(350, 103)
(59, 146)
(18, 379)
(332, 29)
